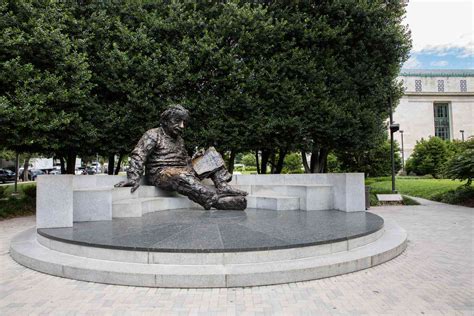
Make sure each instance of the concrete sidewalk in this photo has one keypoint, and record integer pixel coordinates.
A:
(434, 276)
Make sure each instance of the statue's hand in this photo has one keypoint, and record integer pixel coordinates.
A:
(128, 183)
(198, 153)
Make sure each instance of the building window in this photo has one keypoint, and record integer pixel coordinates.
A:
(441, 120)
(463, 84)
(417, 85)
(440, 85)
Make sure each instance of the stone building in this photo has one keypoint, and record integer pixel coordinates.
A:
(436, 103)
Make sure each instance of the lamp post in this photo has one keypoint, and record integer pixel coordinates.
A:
(393, 128)
(403, 152)
(17, 158)
(462, 134)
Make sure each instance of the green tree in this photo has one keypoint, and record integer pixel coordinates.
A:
(373, 162)
(461, 165)
(352, 52)
(135, 56)
(45, 79)
(7, 154)
(428, 157)
(225, 41)
(266, 77)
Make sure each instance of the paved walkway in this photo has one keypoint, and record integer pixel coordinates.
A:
(434, 276)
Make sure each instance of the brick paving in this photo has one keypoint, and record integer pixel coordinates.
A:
(434, 276)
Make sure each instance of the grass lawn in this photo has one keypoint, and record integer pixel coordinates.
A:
(424, 188)
(442, 190)
(22, 204)
(10, 187)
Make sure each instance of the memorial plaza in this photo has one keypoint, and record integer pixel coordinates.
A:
(433, 276)
(249, 151)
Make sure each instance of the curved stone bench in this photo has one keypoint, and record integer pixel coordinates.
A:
(62, 200)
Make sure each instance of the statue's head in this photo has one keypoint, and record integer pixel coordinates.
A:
(174, 119)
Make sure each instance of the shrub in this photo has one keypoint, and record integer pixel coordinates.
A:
(409, 166)
(464, 195)
(429, 157)
(370, 181)
(245, 169)
(239, 169)
(292, 163)
(251, 168)
(2, 191)
(13, 206)
(461, 165)
(409, 201)
(334, 165)
(249, 160)
(30, 191)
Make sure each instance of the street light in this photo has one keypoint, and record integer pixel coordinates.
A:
(403, 152)
(462, 134)
(16, 172)
(393, 128)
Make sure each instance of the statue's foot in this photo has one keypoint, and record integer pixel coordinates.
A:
(237, 203)
(230, 191)
(211, 202)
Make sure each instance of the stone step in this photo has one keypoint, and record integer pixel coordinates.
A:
(311, 197)
(277, 203)
(26, 250)
(200, 258)
(138, 206)
(143, 191)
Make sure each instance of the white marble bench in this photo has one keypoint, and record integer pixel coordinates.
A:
(62, 200)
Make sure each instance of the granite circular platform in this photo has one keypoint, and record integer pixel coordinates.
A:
(195, 248)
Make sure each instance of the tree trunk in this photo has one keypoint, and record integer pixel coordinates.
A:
(119, 163)
(230, 163)
(71, 163)
(264, 162)
(272, 162)
(305, 162)
(257, 161)
(280, 162)
(110, 169)
(63, 165)
(325, 164)
(25, 167)
(318, 163)
(319, 160)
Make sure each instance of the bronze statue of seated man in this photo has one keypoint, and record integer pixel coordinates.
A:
(167, 165)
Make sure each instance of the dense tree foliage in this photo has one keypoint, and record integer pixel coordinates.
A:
(45, 80)
(374, 161)
(349, 55)
(461, 165)
(270, 78)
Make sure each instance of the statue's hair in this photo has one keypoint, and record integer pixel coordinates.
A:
(174, 110)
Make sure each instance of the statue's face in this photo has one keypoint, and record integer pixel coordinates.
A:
(174, 127)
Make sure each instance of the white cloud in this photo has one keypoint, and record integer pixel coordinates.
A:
(439, 63)
(412, 63)
(444, 50)
(439, 26)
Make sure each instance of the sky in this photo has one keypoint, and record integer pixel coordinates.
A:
(442, 32)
